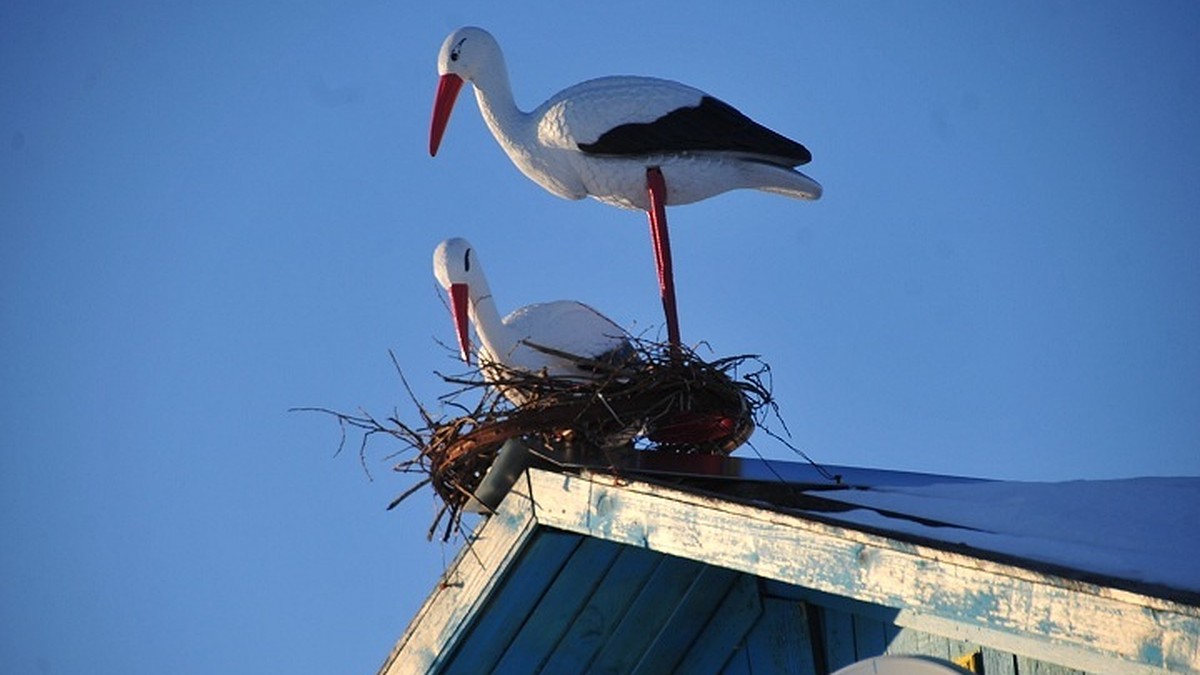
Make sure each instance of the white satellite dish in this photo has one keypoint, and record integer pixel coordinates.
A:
(902, 665)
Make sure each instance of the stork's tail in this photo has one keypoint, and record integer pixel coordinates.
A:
(781, 180)
(791, 183)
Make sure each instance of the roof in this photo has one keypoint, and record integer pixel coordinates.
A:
(669, 561)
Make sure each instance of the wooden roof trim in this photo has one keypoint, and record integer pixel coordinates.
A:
(1087, 622)
(463, 590)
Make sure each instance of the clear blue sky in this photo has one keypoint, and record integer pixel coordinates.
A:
(211, 214)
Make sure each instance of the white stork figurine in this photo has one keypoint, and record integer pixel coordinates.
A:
(564, 326)
(634, 142)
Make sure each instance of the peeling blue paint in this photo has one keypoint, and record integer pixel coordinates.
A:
(512, 520)
(979, 603)
(645, 538)
(600, 516)
(603, 505)
(1151, 653)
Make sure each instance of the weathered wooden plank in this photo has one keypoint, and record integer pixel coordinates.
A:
(1028, 666)
(780, 642)
(965, 655)
(886, 615)
(657, 599)
(558, 608)
(738, 664)
(870, 638)
(915, 642)
(600, 617)
(693, 613)
(838, 628)
(1028, 646)
(996, 662)
(465, 585)
(738, 613)
(1082, 624)
(515, 599)
(915, 633)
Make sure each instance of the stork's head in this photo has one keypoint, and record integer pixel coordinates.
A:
(465, 54)
(460, 275)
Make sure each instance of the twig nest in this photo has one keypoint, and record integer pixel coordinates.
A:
(660, 399)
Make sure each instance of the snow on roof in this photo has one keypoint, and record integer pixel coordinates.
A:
(1142, 529)
(1145, 531)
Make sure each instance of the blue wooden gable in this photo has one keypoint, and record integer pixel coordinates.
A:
(594, 573)
(574, 604)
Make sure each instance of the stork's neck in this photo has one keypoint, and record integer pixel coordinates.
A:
(494, 94)
(494, 336)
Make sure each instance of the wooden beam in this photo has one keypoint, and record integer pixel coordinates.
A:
(1047, 617)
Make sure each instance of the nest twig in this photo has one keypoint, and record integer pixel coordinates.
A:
(662, 398)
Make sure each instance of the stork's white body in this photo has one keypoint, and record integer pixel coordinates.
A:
(544, 145)
(565, 326)
(550, 143)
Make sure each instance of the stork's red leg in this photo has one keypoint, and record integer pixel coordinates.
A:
(656, 188)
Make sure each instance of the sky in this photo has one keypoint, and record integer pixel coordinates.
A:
(211, 213)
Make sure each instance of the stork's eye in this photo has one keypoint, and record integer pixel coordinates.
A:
(467, 261)
(457, 49)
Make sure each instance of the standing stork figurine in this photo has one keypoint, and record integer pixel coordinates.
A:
(633, 142)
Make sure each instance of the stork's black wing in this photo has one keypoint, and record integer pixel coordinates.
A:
(712, 126)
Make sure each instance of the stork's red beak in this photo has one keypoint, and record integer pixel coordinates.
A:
(443, 103)
(459, 300)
